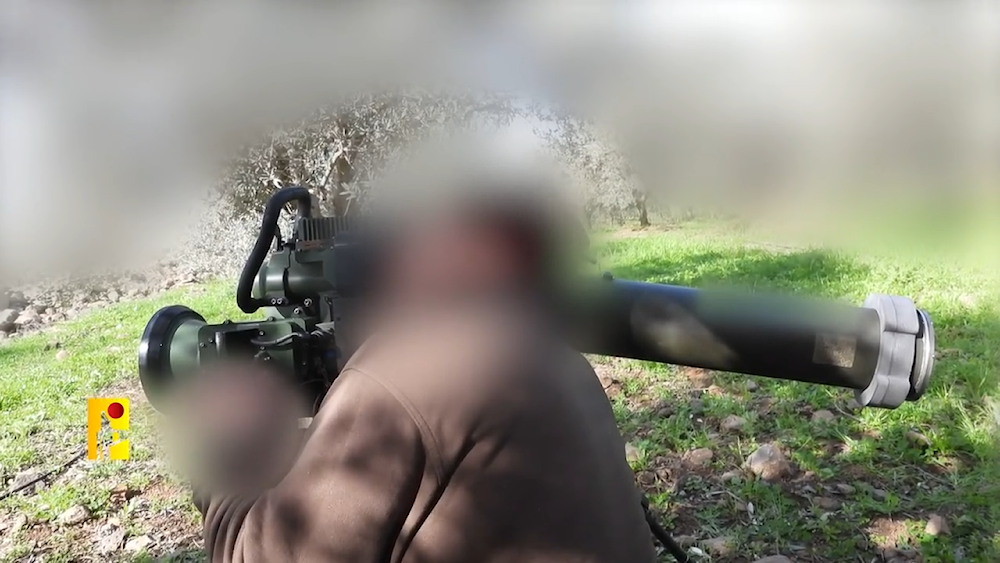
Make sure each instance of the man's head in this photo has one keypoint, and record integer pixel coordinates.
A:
(480, 247)
(468, 230)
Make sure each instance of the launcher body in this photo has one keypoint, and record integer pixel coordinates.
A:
(308, 289)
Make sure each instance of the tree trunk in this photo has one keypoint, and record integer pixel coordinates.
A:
(640, 204)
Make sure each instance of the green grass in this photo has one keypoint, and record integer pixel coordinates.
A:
(956, 476)
(894, 484)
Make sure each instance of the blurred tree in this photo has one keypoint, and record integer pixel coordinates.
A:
(611, 189)
(336, 151)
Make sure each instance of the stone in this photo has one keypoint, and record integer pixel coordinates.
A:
(698, 458)
(27, 316)
(110, 539)
(7, 318)
(62, 355)
(719, 547)
(632, 453)
(768, 463)
(844, 488)
(23, 478)
(697, 407)
(937, 526)
(685, 541)
(16, 525)
(715, 390)
(774, 559)
(827, 503)
(823, 416)
(752, 386)
(918, 439)
(733, 423)
(73, 516)
(699, 378)
(879, 494)
(137, 544)
(733, 476)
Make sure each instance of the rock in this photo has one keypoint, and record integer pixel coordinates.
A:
(918, 439)
(715, 390)
(665, 411)
(62, 355)
(733, 423)
(27, 316)
(73, 516)
(113, 296)
(719, 547)
(823, 416)
(16, 525)
(698, 458)
(937, 526)
(752, 386)
(827, 503)
(697, 407)
(685, 541)
(109, 539)
(774, 559)
(632, 453)
(844, 488)
(138, 544)
(879, 494)
(7, 318)
(699, 378)
(853, 404)
(769, 463)
(23, 478)
(733, 476)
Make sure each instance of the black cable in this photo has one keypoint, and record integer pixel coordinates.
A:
(46, 475)
(662, 536)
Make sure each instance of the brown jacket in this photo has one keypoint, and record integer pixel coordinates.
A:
(466, 435)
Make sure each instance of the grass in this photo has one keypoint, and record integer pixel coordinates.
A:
(885, 484)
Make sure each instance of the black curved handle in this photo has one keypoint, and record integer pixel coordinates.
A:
(268, 227)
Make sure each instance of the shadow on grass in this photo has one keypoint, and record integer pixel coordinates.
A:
(886, 471)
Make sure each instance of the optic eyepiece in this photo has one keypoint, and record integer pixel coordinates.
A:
(169, 345)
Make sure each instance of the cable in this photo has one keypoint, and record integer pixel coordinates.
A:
(45, 475)
(662, 536)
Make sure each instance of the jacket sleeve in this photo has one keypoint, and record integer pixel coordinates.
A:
(347, 495)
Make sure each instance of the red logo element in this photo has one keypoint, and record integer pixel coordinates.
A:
(116, 410)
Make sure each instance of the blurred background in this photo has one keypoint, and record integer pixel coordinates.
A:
(874, 123)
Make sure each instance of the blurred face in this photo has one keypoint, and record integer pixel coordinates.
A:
(459, 255)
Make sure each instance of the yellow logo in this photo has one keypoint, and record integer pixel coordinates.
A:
(107, 427)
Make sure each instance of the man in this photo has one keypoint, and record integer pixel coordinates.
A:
(463, 430)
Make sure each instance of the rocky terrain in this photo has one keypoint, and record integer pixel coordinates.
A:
(29, 308)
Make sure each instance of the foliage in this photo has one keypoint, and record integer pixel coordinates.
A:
(337, 150)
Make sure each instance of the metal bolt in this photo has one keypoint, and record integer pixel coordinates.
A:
(297, 310)
(260, 333)
(307, 302)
